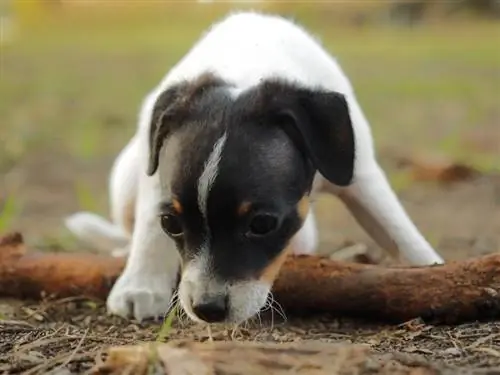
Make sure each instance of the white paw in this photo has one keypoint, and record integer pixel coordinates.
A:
(141, 296)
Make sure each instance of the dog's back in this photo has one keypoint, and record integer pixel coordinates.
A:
(248, 47)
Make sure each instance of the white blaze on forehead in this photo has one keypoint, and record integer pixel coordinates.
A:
(209, 174)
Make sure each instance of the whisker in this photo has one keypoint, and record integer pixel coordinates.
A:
(182, 317)
(272, 316)
(173, 301)
(250, 323)
(281, 311)
(267, 306)
(275, 306)
(234, 332)
(260, 319)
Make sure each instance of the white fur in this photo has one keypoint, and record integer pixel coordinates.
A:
(305, 240)
(245, 48)
(209, 174)
(195, 277)
(123, 183)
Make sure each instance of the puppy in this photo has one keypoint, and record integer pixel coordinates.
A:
(231, 148)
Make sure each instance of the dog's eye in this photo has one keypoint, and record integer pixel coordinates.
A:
(263, 224)
(171, 225)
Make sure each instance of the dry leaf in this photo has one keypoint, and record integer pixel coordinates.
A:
(437, 169)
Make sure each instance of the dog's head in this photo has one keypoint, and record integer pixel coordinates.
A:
(236, 172)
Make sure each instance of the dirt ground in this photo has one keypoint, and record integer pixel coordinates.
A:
(444, 88)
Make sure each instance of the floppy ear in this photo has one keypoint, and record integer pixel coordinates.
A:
(324, 125)
(165, 116)
(172, 107)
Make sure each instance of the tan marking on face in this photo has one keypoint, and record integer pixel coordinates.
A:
(177, 206)
(271, 271)
(303, 207)
(244, 208)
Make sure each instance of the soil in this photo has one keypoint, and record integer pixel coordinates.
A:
(461, 219)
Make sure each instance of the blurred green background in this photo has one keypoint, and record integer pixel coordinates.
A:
(73, 74)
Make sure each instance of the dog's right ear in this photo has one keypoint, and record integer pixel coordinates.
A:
(166, 116)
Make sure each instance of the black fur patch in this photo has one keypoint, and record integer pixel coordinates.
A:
(278, 136)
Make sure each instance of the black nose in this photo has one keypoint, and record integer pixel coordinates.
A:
(213, 310)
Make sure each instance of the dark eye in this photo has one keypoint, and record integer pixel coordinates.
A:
(171, 225)
(262, 224)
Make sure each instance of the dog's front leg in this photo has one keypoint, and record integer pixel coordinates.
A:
(144, 289)
(377, 209)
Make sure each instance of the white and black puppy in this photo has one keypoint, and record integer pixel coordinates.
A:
(230, 149)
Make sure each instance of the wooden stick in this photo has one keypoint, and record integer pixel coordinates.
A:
(451, 293)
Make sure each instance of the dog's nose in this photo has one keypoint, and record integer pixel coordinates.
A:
(212, 310)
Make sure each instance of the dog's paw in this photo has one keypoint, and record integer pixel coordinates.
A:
(141, 296)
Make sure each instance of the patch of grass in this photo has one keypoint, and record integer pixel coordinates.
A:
(400, 180)
(91, 304)
(85, 198)
(9, 209)
(166, 327)
(86, 145)
(60, 242)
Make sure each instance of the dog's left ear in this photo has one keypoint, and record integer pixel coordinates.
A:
(323, 122)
